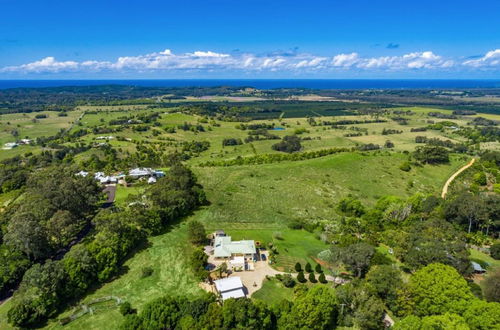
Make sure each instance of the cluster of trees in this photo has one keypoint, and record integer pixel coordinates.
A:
(191, 127)
(195, 147)
(315, 308)
(259, 135)
(456, 147)
(368, 147)
(436, 296)
(254, 127)
(387, 131)
(54, 211)
(481, 121)
(231, 142)
(351, 122)
(481, 134)
(197, 236)
(420, 230)
(428, 237)
(114, 235)
(442, 115)
(431, 154)
(289, 144)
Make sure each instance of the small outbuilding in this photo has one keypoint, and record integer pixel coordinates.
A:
(478, 269)
(230, 287)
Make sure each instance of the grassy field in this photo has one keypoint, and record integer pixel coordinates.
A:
(248, 202)
(123, 192)
(317, 137)
(275, 193)
(29, 127)
(167, 255)
(272, 292)
(293, 245)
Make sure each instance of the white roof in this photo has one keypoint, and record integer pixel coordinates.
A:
(151, 180)
(238, 293)
(10, 145)
(140, 171)
(237, 261)
(225, 247)
(228, 284)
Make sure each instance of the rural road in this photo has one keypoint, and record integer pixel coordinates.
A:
(457, 173)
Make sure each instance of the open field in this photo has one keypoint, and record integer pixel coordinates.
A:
(272, 292)
(314, 137)
(167, 255)
(251, 201)
(29, 127)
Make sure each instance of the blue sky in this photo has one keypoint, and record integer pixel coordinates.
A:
(249, 39)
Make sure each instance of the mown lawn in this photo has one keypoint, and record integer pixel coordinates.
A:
(292, 245)
(272, 292)
(123, 192)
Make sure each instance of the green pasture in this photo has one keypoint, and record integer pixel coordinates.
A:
(273, 292)
(29, 127)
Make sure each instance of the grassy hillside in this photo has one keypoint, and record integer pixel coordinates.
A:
(248, 202)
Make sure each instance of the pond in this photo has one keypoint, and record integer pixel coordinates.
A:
(278, 129)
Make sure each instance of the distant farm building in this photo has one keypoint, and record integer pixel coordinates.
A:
(10, 145)
(143, 172)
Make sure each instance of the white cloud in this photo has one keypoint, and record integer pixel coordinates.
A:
(212, 61)
(48, 64)
(315, 62)
(416, 60)
(345, 60)
(209, 54)
(491, 59)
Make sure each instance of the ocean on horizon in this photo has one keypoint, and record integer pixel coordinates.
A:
(268, 83)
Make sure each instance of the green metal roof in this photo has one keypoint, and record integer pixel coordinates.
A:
(225, 247)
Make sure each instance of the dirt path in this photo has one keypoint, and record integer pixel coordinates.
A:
(457, 173)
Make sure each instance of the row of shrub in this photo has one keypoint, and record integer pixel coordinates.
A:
(276, 158)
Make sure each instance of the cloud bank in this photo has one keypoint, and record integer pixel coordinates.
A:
(211, 61)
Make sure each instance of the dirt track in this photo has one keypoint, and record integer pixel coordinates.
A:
(457, 173)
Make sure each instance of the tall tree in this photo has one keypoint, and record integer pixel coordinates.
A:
(315, 309)
(466, 209)
(26, 234)
(432, 241)
(437, 289)
(196, 232)
(385, 281)
(491, 286)
(357, 257)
